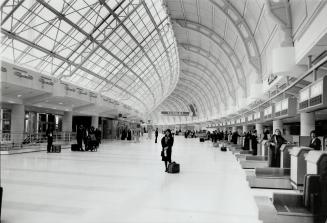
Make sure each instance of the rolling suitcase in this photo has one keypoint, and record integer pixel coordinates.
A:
(56, 148)
(201, 139)
(173, 167)
(223, 149)
(74, 147)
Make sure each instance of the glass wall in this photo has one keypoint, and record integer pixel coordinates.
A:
(40, 122)
(5, 123)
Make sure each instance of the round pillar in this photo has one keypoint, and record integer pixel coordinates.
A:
(259, 128)
(287, 130)
(307, 123)
(17, 123)
(67, 121)
(95, 121)
(245, 128)
(277, 124)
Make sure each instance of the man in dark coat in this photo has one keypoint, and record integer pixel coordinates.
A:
(156, 135)
(234, 137)
(276, 142)
(254, 142)
(49, 134)
(315, 142)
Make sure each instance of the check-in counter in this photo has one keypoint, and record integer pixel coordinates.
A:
(315, 160)
(263, 148)
(298, 165)
(285, 157)
(234, 148)
(311, 205)
(317, 164)
(273, 177)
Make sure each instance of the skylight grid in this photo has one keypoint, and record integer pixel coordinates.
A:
(80, 58)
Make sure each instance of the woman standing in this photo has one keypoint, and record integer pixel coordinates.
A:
(276, 142)
(167, 143)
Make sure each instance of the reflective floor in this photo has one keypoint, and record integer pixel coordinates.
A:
(126, 182)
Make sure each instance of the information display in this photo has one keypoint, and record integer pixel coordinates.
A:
(175, 113)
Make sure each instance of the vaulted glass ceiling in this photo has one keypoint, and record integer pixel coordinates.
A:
(125, 50)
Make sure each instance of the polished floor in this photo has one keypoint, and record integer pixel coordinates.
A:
(126, 182)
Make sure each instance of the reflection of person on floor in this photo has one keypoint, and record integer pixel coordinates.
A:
(167, 143)
(85, 137)
(315, 142)
(276, 142)
(156, 135)
(49, 134)
(80, 136)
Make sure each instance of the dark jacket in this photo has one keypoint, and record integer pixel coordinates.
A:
(49, 134)
(234, 137)
(278, 140)
(316, 144)
(169, 144)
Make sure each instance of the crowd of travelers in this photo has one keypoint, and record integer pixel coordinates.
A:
(91, 137)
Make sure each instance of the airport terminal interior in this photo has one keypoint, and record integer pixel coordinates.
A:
(163, 111)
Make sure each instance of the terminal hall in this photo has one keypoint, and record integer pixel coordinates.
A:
(163, 111)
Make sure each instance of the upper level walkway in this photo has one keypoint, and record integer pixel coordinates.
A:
(126, 182)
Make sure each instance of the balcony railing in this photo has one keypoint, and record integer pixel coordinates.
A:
(12, 141)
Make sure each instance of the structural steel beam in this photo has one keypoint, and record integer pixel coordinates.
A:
(244, 31)
(221, 44)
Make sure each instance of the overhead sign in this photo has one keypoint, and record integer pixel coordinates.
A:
(175, 113)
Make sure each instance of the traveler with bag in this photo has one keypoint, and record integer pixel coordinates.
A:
(49, 134)
(167, 143)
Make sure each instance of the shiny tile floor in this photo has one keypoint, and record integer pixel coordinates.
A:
(126, 182)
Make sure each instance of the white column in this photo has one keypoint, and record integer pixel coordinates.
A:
(307, 123)
(67, 121)
(234, 129)
(277, 124)
(245, 128)
(259, 128)
(287, 130)
(95, 121)
(17, 123)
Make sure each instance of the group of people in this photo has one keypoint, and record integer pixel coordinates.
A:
(275, 142)
(190, 133)
(91, 137)
(126, 134)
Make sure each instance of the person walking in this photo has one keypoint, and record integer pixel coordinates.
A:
(156, 135)
(167, 143)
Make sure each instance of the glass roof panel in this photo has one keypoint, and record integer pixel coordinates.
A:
(129, 44)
